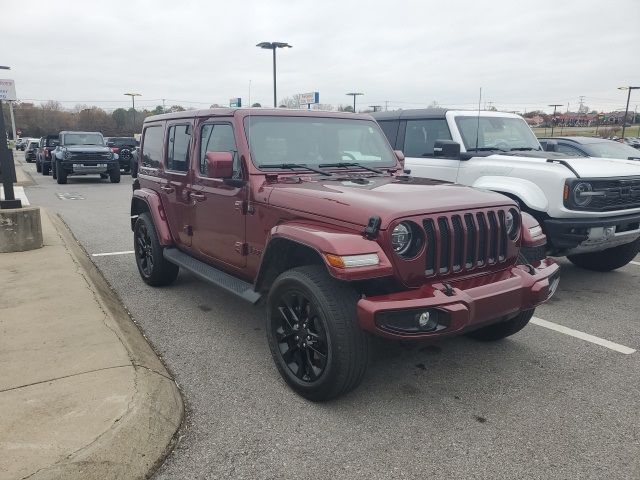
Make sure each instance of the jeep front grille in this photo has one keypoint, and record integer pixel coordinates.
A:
(464, 242)
(91, 155)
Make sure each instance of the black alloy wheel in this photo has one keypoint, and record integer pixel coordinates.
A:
(301, 336)
(144, 250)
(154, 269)
(315, 340)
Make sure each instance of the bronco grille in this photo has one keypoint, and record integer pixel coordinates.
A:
(91, 155)
(464, 242)
(618, 195)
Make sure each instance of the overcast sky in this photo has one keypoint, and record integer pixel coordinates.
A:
(523, 54)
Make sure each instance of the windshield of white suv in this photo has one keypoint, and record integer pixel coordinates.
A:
(83, 139)
(315, 141)
(612, 150)
(499, 133)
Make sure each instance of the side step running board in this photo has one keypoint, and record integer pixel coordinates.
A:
(212, 275)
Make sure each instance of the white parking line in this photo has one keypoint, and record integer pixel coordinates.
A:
(127, 252)
(582, 336)
(635, 263)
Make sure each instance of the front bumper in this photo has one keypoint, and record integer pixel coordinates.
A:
(581, 235)
(80, 166)
(470, 303)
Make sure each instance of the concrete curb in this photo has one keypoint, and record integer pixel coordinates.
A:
(135, 445)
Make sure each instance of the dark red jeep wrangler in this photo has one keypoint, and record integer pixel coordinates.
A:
(313, 212)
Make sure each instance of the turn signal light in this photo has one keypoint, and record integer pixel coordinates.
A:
(352, 261)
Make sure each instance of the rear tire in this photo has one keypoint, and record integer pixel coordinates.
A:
(54, 173)
(154, 269)
(314, 337)
(61, 174)
(607, 260)
(501, 330)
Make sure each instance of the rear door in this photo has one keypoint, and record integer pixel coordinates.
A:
(177, 176)
(219, 208)
(418, 138)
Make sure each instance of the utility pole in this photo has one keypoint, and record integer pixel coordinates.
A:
(133, 101)
(555, 106)
(164, 110)
(273, 46)
(626, 110)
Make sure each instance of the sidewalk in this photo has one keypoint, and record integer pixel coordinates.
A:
(82, 394)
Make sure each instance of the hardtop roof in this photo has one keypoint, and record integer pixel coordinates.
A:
(229, 112)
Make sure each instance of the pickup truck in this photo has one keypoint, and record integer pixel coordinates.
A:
(310, 214)
(589, 208)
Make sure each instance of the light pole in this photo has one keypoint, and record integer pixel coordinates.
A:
(133, 102)
(273, 46)
(354, 95)
(555, 106)
(626, 110)
(7, 166)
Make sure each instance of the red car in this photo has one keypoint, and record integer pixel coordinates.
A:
(313, 213)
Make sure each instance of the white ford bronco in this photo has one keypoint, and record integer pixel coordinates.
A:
(589, 208)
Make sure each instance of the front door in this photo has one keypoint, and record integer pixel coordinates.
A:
(177, 178)
(418, 140)
(219, 208)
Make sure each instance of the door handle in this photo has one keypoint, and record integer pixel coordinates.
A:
(167, 188)
(198, 197)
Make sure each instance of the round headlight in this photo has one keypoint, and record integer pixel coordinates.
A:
(512, 223)
(401, 238)
(578, 190)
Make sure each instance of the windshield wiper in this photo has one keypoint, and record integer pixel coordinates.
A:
(524, 149)
(485, 149)
(350, 164)
(291, 166)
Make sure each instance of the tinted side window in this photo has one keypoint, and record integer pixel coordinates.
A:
(569, 150)
(152, 146)
(178, 142)
(422, 134)
(218, 138)
(390, 129)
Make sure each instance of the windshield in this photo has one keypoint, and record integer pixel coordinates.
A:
(612, 150)
(83, 139)
(315, 141)
(501, 133)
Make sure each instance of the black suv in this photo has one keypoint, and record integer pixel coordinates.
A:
(83, 153)
(47, 145)
(124, 147)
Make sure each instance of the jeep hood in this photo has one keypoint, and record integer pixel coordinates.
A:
(587, 167)
(344, 198)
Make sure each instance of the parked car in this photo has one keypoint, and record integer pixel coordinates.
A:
(311, 212)
(591, 147)
(124, 147)
(31, 150)
(46, 146)
(84, 153)
(589, 208)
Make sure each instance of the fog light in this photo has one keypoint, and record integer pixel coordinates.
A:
(413, 321)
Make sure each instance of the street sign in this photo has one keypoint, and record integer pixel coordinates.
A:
(235, 102)
(7, 90)
(309, 98)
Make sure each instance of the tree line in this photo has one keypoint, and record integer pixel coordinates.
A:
(50, 118)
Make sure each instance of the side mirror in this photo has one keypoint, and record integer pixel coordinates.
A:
(446, 148)
(219, 164)
(400, 157)
(551, 146)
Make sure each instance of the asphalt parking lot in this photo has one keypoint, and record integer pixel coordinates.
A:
(541, 404)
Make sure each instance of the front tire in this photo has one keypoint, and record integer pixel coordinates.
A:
(154, 269)
(54, 173)
(313, 334)
(114, 175)
(38, 167)
(45, 169)
(61, 174)
(501, 330)
(607, 260)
